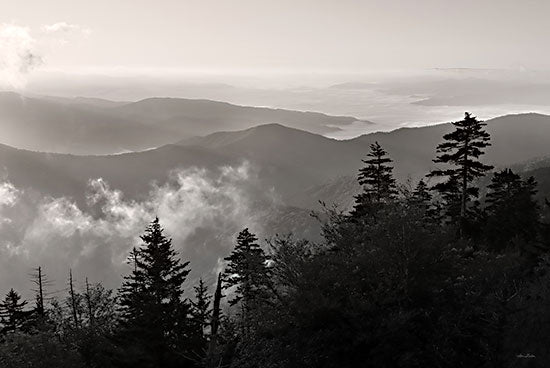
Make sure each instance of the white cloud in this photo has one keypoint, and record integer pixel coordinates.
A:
(64, 27)
(200, 210)
(18, 55)
(22, 50)
(8, 194)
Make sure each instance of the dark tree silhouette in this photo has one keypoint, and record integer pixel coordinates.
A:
(12, 312)
(41, 281)
(377, 181)
(460, 155)
(247, 271)
(201, 315)
(511, 209)
(421, 193)
(154, 314)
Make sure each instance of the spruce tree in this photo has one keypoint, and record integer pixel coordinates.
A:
(460, 155)
(200, 307)
(377, 181)
(421, 194)
(154, 314)
(247, 271)
(511, 208)
(200, 315)
(12, 312)
(421, 200)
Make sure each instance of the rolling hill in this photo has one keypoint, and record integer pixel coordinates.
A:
(288, 161)
(290, 170)
(95, 127)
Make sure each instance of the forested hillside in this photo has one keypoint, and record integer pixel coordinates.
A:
(448, 270)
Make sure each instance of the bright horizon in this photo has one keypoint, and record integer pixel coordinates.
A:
(294, 36)
(288, 54)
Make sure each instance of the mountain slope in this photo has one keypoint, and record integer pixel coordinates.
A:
(92, 126)
(53, 126)
(199, 117)
(288, 161)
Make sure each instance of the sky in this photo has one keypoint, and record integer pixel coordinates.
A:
(283, 35)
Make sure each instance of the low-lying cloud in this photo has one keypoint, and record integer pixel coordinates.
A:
(201, 210)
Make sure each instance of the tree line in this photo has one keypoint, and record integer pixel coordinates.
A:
(452, 271)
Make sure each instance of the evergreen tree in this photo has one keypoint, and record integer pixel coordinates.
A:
(460, 155)
(421, 200)
(421, 194)
(200, 308)
(511, 208)
(247, 271)
(12, 312)
(377, 181)
(154, 314)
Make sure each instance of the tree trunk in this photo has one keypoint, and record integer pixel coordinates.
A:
(214, 325)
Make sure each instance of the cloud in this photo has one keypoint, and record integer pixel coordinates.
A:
(8, 198)
(201, 211)
(8, 194)
(64, 27)
(22, 50)
(18, 55)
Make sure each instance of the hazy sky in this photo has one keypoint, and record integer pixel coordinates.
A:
(335, 35)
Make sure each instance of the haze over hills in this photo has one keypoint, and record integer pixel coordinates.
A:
(202, 117)
(268, 177)
(95, 126)
(287, 160)
(514, 138)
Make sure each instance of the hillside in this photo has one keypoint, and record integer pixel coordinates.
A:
(288, 161)
(201, 117)
(93, 126)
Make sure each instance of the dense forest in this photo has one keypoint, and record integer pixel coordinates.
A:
(451, 271)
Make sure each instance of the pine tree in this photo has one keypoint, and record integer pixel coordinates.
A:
(200, 308)
(421, 200)
(154, 314)
(460, 154)
(247, 271)
(377, 181)
(421, 193)
(511, 208)
(12, 312)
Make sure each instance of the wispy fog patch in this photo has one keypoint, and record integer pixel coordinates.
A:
(62, 33)
(64, 27)
(201, 210)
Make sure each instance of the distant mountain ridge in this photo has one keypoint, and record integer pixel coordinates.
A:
(93, 126)
(290, 161)
(290, 171)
